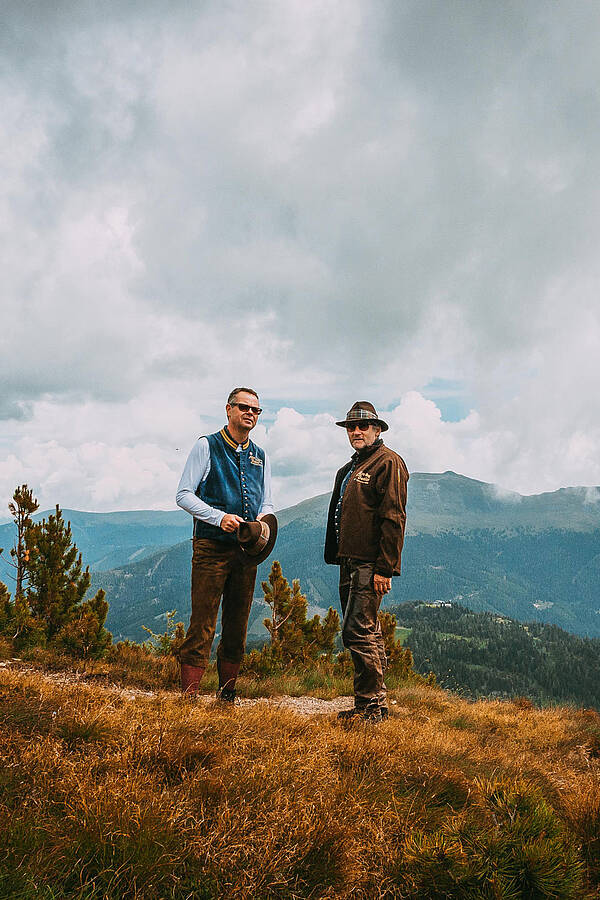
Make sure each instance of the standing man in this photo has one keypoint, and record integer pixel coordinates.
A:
(365, 533)
(226, 482)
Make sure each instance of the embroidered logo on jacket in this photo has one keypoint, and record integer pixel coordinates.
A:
(363, 477)
(256, 460)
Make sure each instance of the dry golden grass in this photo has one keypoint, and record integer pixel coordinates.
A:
(108, 795)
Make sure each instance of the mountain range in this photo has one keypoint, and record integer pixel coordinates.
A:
(109, 540)
(532, 558)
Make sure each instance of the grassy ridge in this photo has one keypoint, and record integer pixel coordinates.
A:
(110, 795)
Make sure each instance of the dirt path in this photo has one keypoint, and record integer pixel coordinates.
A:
(304, 705)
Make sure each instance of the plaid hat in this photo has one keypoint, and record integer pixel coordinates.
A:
(363, 411)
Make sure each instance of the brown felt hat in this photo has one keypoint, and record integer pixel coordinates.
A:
(363, 411)
(257, 539)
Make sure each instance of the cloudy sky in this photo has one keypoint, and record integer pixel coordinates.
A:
(329, 201)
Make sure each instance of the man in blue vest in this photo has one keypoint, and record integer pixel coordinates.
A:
(226, 481)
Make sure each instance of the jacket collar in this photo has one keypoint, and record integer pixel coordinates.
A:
(361, 455)
(231, 442)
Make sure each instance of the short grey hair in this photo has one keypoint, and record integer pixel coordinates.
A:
(240, 390)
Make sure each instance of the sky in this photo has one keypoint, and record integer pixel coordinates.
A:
(392, 200)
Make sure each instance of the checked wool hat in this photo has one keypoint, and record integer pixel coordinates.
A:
(257, 539)
(363, 411)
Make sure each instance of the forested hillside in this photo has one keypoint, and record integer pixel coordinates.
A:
(485, 655)
(546, 576)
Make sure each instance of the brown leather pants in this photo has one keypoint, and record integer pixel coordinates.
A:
(217, 572)
(361, 632)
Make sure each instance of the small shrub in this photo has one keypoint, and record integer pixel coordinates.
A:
(85, 636)
(522, 703)
(171, 639)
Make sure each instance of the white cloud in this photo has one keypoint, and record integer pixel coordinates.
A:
(326, 201)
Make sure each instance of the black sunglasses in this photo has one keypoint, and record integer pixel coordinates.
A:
(363, 426)
(245, 407)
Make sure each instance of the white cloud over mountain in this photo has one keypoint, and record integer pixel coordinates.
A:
(329, 201)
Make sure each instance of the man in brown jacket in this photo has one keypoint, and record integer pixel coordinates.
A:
(365, 534)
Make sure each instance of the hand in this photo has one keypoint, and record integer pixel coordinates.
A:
(231, 522)
(382, 584)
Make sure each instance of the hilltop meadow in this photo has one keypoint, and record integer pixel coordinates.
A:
(111, 792)
(113, 786)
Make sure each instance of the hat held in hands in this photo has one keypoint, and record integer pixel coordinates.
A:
(257, 539)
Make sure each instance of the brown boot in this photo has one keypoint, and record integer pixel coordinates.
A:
(228, 673)
(191, 677)
(371, 714)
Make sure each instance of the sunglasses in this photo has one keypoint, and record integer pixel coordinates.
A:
(363, 426)
(244, 407)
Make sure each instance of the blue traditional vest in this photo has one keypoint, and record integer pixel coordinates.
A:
(235, 483)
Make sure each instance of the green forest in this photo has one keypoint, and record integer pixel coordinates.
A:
(486, 655)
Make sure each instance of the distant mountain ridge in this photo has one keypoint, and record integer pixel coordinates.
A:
(107, 540)
(448, 500)
(528, 557)
(468, 542)
(461, 503)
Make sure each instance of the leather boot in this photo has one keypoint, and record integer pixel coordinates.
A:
(190, 679)
(228, 673)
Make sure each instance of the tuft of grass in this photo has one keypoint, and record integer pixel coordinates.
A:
(462, 723)
(582, 814)
(81, 729)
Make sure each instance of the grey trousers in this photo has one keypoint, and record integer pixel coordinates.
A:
(361, 632)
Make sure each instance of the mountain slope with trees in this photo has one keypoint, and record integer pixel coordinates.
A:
(485, 655)
(107, 540)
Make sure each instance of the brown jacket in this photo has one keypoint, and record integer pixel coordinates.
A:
(373, 514)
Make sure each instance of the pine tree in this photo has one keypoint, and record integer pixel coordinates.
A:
(400, 659)
(320, 635)
(21, 508)
(6, 608)
(293, 639)
(57, 584)
(278, 596)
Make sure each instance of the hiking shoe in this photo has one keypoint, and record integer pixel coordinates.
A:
(372, 715)
(346, 714)
(227, 695)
